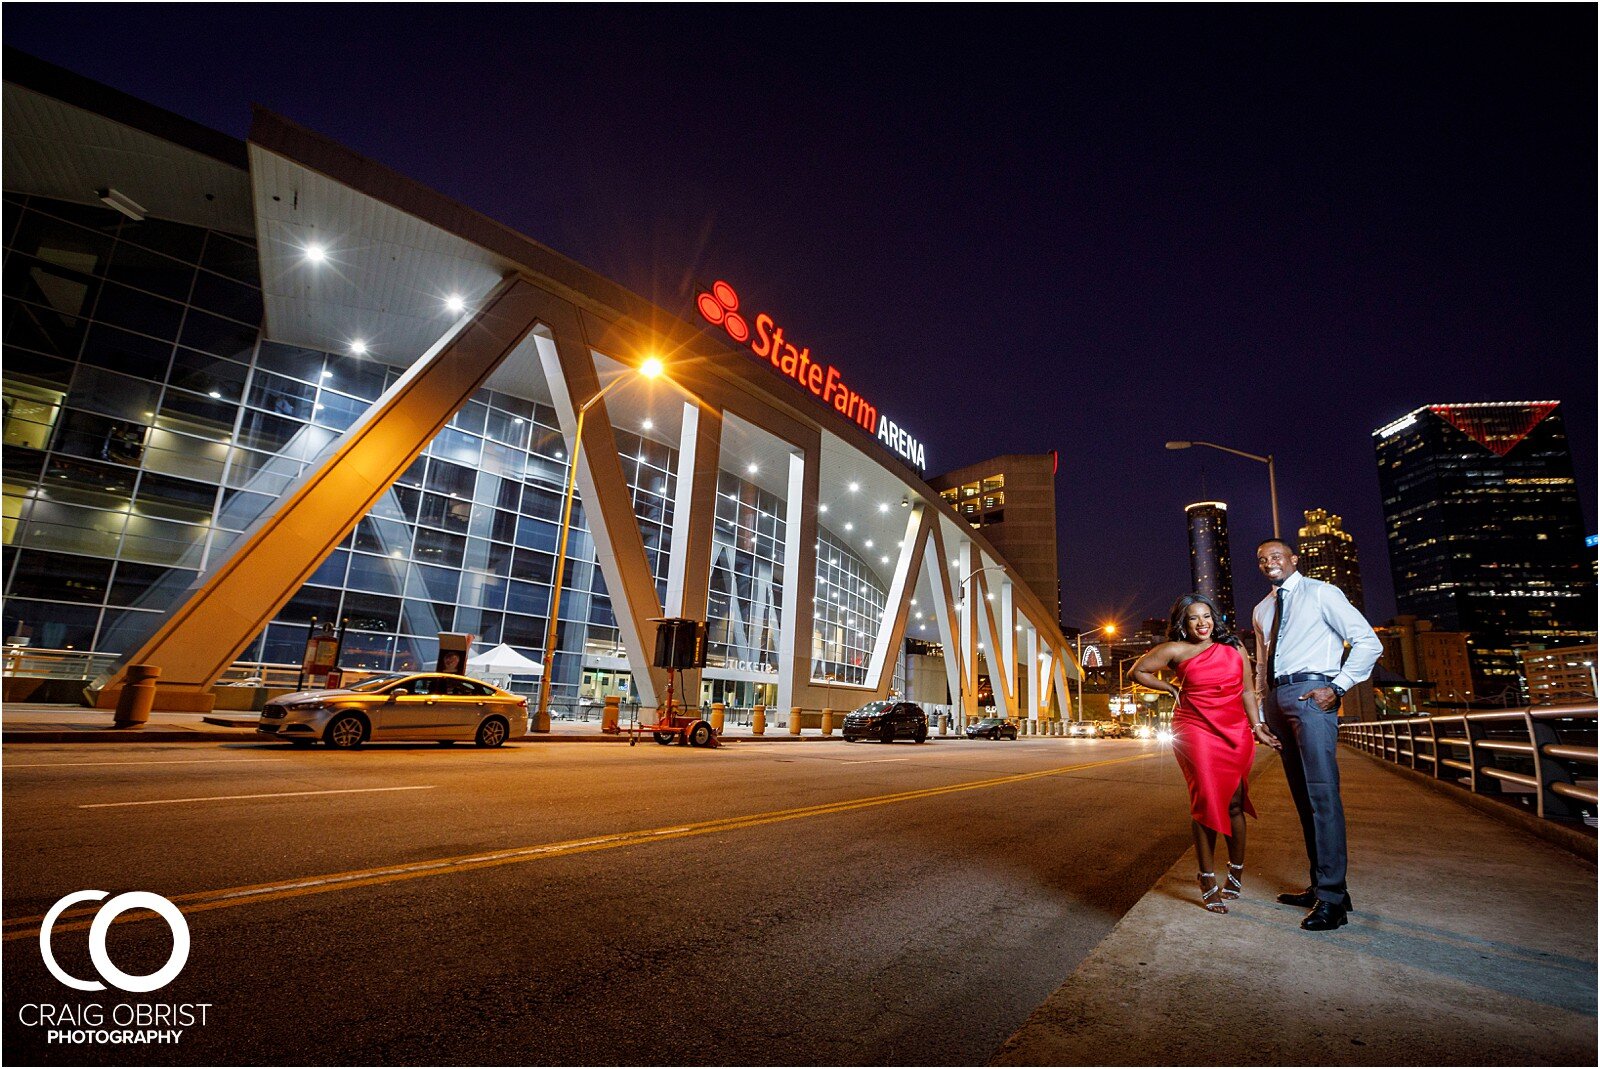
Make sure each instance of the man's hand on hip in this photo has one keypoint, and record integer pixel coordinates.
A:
(1322, 697)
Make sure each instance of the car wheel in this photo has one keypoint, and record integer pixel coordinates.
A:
(922, 733)
(346, 732)
(700, 734)
(492, 732)
(887, 734)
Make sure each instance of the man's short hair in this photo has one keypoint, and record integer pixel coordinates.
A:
(1284, 542)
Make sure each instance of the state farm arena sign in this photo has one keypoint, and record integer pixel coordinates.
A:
(720, 305)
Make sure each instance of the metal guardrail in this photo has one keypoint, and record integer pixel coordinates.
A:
(1547, 750)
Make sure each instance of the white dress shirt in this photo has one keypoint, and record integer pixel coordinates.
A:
(1318, 620)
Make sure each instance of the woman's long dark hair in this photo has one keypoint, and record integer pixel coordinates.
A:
(1220, 631)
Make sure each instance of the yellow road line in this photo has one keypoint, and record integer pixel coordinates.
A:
(252, 894)
(251, 797)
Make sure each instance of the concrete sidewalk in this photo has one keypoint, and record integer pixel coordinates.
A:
(1473, 944)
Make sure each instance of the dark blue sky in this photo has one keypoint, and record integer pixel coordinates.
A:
(1016, 230)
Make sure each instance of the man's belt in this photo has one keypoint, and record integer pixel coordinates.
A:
(1301, 677)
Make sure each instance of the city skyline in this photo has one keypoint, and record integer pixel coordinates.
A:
(1164, 243)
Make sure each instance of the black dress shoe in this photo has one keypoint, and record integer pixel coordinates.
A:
(1324, 917)
(1308, 898)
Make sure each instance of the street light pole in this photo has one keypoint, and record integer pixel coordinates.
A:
(541, 718)
(1109, 629)
(1272, 473)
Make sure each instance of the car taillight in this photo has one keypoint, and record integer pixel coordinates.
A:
(523, 703)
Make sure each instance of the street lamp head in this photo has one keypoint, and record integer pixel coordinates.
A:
(1111, 629)
(1179, 445)
(651, 368)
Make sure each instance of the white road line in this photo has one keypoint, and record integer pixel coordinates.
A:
(201, 761)
(247, 797)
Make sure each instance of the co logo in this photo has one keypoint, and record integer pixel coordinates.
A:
(721, 306)
(97, 941)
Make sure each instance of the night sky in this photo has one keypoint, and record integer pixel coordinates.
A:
(1016, 230)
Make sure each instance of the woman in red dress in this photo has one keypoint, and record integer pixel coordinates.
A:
(1215, 727)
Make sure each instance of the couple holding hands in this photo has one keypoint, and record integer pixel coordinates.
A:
(1313, 647)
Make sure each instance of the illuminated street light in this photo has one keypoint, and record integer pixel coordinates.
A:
(1272, 475)
(651, 368)
(1109, 629)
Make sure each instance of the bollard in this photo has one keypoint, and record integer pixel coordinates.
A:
(758, 720)
(138, 695)
(611, 715)
(944, 723)
(827, 722)
(794, 721)
(718, 712)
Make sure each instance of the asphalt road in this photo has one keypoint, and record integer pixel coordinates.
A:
(765, 903)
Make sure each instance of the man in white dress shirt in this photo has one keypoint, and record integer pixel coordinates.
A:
(1304, 629)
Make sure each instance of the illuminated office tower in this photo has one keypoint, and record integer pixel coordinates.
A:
(1327, 552)
(1210, 567)
(1486, 534)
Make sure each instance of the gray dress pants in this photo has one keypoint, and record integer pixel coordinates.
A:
(1310, 739)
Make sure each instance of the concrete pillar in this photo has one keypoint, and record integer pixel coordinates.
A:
(827, 722)
(758, 720)
(137, 696)
(718, 712)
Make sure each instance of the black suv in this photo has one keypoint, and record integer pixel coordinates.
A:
(887, 721)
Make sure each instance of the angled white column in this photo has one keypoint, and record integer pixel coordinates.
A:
(1038, 706)
(607, 502)
(694, 511)
(799, 573)
(896, 610)
(1002, 677)
(1006, 621)
(935, 565)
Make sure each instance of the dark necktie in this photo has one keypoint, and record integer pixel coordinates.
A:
(1277, 626)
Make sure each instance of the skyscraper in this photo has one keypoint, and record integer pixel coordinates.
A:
(1210, 566)
(1327, 552)
(1485, 531)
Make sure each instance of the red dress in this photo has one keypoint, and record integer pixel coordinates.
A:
(1211, 734)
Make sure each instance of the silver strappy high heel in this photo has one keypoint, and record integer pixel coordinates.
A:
(1232, 886)
(1206, 896)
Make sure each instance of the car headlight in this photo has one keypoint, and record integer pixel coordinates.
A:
(310, 707)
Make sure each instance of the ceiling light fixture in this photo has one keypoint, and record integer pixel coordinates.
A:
(122, 203)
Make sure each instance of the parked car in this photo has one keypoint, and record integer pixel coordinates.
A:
(992, 727)
(887, 721)
(400, 707)
(1081, 729)
(1110, 729)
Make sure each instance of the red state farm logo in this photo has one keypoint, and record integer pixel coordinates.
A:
(721, 305)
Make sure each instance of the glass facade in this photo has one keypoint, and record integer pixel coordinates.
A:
(146, 426)
(1485, 531)
(850, 604)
